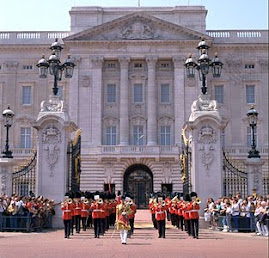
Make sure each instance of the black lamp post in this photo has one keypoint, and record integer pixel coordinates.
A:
(8, 115)
(252, 115)
(203, 65)
(55, 66)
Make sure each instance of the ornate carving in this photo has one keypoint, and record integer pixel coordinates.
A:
(85, 82)
(97, 62)
(204, 104)
(207, 138)
(54, 104)
(167, 171)
(137, 30)
(124, 62)
(109, 171)
(151, 61)
(51, 138)
(3, 180)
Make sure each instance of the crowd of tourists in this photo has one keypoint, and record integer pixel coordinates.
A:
(234, 213)
(29, 213)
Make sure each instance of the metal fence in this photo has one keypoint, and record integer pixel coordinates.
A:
(24, 179)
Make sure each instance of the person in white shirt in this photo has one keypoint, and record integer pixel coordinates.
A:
(235, 214)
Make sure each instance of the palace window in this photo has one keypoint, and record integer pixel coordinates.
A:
(138, 65)
(109, 188)
(111, 135)
(164, 93)
(250, 94)
(138, 135)
(165, 135)
(249, 136)
(138, 93)
(27, 67)
(219, 93)
(249, 66)
(26, 95)
(25, 137)
(111, 93)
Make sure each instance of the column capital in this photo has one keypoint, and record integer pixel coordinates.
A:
(124, 61)
(151, 61)
(97, 62)
(179, 61)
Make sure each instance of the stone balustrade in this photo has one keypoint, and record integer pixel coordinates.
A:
(237, 36)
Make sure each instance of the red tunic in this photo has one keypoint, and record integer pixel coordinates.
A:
(194, 212)
(84, 210)
(133, 208)
(66, 211)
(96, 210)
(77, 208)
(160, 212)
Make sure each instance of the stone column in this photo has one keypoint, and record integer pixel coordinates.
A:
(96, 103)
(204, 129)
(124, 101)
(53, 136)
(6, 170)
(152, 102)
(179, 98)
(254, 170)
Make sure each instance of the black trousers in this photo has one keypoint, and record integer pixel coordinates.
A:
(67, 224)
(84, 225)
(154, 220)
(102, 227)
(72, 225)
(194, 227)
(187, 226)
(161, 228)
(181, 222)
(131, 221)
(77, 222)
(97, 227)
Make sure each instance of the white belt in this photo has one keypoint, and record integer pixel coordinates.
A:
(96, 210)
(84, 210)
(191, 211)
(78, 208)
(67, 211)
(159, 212)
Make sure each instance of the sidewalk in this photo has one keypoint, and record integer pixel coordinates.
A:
(143, 244)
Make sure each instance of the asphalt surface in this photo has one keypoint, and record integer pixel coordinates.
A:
(144, 243)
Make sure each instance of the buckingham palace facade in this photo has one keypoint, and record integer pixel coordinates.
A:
(129, 93)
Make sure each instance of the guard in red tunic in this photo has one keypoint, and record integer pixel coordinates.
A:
(194, 215)
(96, 211)
(84, 212)
(160, 211)
(186, 208)
(77, 213)
(131, 216)
(180, 215)
(151, 206)
(66, 208)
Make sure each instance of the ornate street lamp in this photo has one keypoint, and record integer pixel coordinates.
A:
(252, 115)
(53, 64)
(8, 115)
(203, 65)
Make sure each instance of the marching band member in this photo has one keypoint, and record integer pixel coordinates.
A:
(77, 212)
(84, 211)
(122, 220)
(180, 215)
(132, 216)
(66, 208)
(194, 215)
(186, 208)
(160, 211)
(152, 204)
(96, 210)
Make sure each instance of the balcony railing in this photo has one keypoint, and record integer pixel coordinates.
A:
(239, 36)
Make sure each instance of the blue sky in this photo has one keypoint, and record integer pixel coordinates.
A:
(51, 15)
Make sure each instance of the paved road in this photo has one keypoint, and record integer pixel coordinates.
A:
(144, 244)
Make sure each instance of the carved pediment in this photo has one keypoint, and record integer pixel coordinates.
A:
(137, 26)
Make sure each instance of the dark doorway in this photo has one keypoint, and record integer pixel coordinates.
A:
(138, 180)
(167, 189)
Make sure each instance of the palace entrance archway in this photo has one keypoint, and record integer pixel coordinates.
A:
(138, 180)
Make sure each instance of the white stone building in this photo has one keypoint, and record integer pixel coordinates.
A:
(129, 93)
